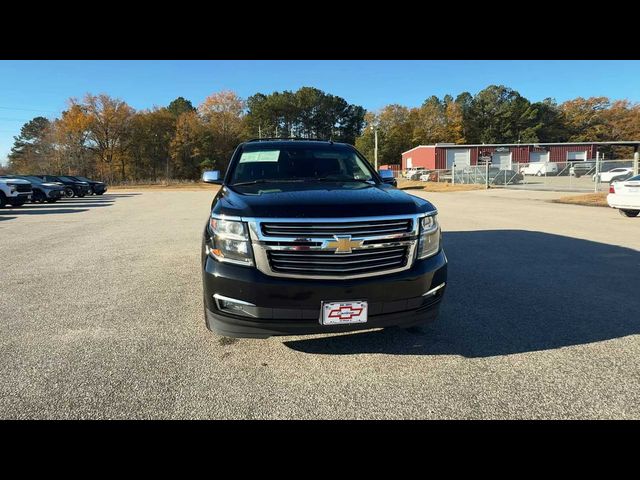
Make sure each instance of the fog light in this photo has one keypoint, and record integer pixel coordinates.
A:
(235, 307)
(433, 291)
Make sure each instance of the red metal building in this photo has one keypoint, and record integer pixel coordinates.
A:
(444, 155)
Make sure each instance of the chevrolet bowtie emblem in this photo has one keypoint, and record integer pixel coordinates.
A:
(342, 244)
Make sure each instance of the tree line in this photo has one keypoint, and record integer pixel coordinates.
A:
(103, 137)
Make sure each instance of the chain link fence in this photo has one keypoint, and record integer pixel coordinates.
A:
(583, 175)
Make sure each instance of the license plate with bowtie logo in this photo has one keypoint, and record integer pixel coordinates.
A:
(341, 313)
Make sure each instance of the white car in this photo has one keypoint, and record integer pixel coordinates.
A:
(625, 196)
(613, 173)
(539, 169)
(411, 171)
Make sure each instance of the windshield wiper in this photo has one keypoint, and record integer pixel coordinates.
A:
(338, 180)
(264, 180)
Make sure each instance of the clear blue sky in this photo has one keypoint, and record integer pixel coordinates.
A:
(31, 88)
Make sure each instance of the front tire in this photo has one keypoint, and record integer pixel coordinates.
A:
(38, 197)
(3, 200)
(90, 192)
(629, 213)
(69, 193)
(17, 203)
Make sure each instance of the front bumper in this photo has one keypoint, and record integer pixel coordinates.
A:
(289, 306)
(54, 194)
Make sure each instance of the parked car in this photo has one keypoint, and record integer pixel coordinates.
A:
(428, 176)
(498, 176)
(539, 169)
(387, 177)
(410, 172)
(95, 187)
(577, 169)
(304, 237)
(625, 196)
(614, 174)
(42, 191)
(14, 191)
(72, 187)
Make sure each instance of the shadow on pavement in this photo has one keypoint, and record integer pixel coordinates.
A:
(514, 291)
(46, 211)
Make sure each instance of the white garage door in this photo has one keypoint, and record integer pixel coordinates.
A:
(460, 156)
(409, 163)
(501, 160)
(576, 155)
(538, 157)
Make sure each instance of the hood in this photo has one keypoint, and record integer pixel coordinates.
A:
(15, 181)
(52, 185)
(317, 200)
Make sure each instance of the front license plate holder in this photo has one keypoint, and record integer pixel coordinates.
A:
(343, 313)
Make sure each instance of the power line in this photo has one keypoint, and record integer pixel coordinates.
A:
(30, 109)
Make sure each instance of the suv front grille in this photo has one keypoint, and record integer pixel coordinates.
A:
(328, 230)
(21, 187)
(318, 262)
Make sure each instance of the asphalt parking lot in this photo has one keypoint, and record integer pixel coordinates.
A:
(101, 317)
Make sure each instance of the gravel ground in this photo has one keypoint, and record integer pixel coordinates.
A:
(101, 317)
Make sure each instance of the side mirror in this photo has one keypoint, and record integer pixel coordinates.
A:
(212, 176)
(387, 176)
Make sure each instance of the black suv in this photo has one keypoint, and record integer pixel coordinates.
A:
(95, 187)
(305, 237)
(72, 187)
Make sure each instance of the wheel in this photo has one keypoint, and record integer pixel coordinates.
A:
(81, 195)
(38, 197)
(101, 193)
(3, 200)
(17, 203)
(69, 193)
(629, 213)
(90, 192)
(539, 174)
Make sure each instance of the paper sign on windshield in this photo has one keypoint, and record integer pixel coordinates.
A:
(263, 156)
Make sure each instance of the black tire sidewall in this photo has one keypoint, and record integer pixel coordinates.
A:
(66, 192)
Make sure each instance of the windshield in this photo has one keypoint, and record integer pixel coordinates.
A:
(82, 179)
(303, 163)
(67, 179)
(33, 179)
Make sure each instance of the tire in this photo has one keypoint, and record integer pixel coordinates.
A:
(101, 193)
(17, 203)
(3, 200)
(629, 213)
(90, 192)
(52, 200)
(69, 193)
(539, 174)
(38, 197)
(81, 195)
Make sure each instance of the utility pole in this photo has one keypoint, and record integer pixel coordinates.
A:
(636, 157)
(597, 176)
(259, 131)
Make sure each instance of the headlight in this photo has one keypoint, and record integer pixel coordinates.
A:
(230, 242)
(13, 188)
(429, 242)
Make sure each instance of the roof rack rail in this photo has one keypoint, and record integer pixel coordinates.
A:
(266, 139)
